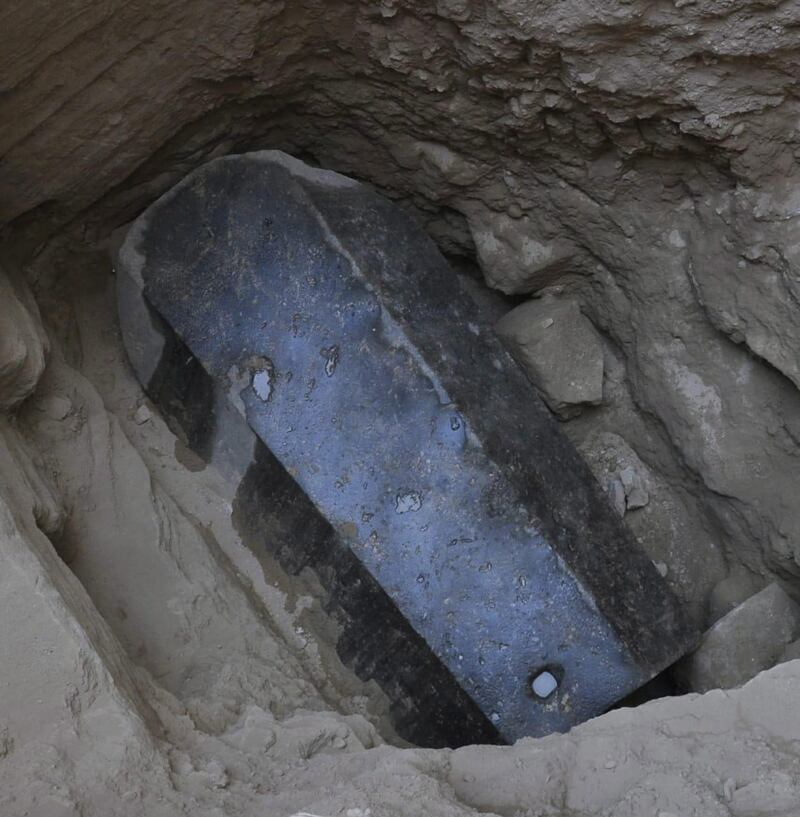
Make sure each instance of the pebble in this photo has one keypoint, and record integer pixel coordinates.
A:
(728, 789)
(56, 406)
(143, 415)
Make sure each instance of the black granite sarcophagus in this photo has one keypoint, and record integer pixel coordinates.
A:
(312, 343)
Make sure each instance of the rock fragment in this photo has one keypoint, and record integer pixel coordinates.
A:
(636, 495)
(748, 640)
(142, 415)
(515, 256)
(560, 351)
(56, 406)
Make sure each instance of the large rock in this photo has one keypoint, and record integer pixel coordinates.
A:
(560, 351)
(748, 640)
(324, 318)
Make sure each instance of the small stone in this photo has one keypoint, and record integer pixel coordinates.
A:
(627, 477)
(728, 789)
(6, 743)
(143, 415)
(748, 640)
(217, 775)
(636, 495)
(56, 406)
(254, 733)
(560, 351)
(637, 498)
(616, 493)
(453, 9)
